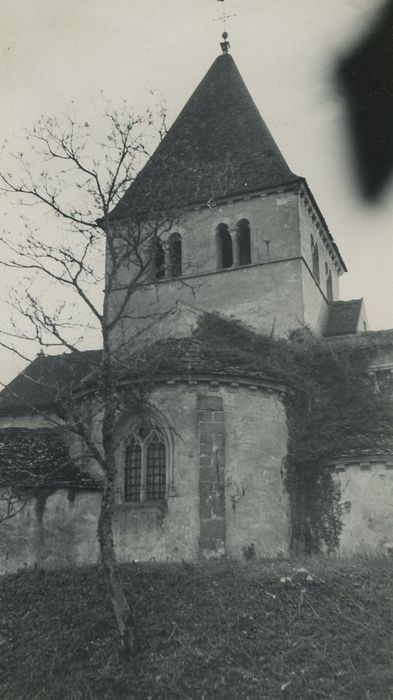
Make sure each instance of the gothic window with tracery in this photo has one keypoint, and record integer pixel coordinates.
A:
(145, 466)
(224, 247)
(175, 255)
(243, 242)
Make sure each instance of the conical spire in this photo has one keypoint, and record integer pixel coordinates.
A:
(218, 146)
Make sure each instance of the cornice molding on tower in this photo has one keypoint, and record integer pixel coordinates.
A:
(321, 225)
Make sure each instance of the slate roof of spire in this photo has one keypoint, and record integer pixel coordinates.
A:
(218, 146)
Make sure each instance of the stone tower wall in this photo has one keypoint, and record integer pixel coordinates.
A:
(265, 293)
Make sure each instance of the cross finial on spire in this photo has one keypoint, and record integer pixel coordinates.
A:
(225, 45)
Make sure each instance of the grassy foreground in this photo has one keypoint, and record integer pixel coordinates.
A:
(223, 630)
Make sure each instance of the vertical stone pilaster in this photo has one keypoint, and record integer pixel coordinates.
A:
(211, 439)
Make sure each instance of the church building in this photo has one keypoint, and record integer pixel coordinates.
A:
(201, 474)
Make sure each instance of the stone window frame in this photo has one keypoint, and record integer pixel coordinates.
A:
(144, 442)
(224, 247)
(241, 229)
(158, 260)
(127, 426)
(175, 255)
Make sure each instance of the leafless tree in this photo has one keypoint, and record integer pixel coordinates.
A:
(79, 178)
(88, 184)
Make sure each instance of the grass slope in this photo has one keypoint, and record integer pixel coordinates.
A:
(258, 630)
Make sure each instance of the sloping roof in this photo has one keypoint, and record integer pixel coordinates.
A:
(343, 317)
(38, 458)
(196, 357)
(381, 340)
(51, 380)
(372, 454)
(48, 380)
(218, 146)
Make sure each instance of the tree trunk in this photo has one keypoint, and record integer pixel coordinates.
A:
(118, 598)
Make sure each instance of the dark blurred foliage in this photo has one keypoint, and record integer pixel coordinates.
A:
(366, 75)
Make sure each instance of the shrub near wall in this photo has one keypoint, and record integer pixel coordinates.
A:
(333, 408)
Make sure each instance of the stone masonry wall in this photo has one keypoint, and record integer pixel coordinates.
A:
(257, 511)
(274, 229)
(57, 531)
(316, 306)
(367, 506)
(225, 489)
(262, 296)
(308, 228)
(268, 292)
(154, 531)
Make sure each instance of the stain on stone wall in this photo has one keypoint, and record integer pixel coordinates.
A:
(211, 438)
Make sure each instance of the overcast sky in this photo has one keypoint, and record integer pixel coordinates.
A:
(52, 52)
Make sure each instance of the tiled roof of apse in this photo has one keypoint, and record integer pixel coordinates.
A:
(49, 381)
(218, 146)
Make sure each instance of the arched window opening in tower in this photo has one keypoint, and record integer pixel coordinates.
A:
(145, 466)
(315, 258)
(175, 255)
(329, 287)
(243, 242)
(158, 260)
(224, 247)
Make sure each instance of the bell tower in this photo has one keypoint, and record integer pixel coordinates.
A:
(247, 238)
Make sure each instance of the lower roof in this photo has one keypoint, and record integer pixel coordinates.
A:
(343, 317)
